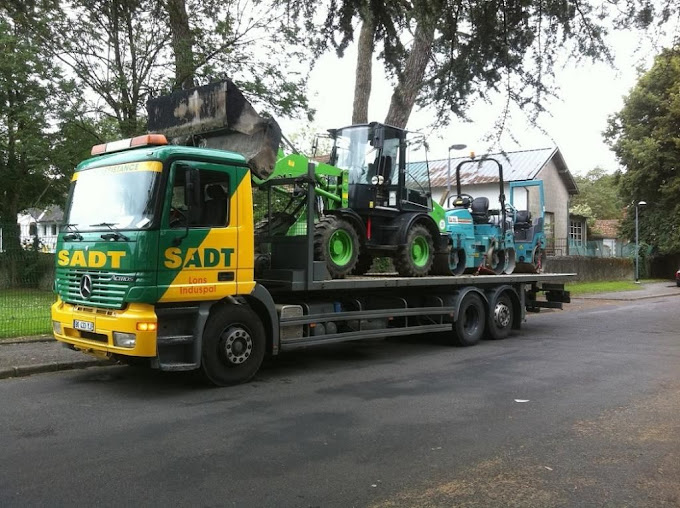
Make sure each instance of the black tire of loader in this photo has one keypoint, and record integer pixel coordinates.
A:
(403, 259)
(323, 232)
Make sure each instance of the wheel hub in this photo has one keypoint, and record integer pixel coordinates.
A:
(501, 315)
(420, 251)
(340, 247)
(237, 345)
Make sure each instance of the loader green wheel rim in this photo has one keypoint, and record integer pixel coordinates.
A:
(420, 251)
(340, 247)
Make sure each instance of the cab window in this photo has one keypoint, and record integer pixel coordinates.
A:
(213, 200)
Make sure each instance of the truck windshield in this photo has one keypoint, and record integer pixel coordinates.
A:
(122, 196)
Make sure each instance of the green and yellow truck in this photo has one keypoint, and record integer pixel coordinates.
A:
(157, 263)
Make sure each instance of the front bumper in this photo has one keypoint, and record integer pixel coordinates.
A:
(100, 342)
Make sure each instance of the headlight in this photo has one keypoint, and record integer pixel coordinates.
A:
(56, 327)
(121, 339)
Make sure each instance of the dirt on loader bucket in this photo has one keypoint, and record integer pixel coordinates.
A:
(217, 116)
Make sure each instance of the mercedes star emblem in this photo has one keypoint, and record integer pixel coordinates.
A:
(86, 286)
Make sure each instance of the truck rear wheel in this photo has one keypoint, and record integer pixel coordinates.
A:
(233, 346)
(470, 321)
(500, 319)
(337, 243)
(415, 257)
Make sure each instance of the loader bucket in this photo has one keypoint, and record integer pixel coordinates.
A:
(217, 116)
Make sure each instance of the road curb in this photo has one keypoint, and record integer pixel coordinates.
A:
(28, 370)
(631, 299)
(29, 339)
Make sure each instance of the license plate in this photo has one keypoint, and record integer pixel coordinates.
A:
(86, 326)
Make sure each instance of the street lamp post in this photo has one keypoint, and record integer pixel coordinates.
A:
(637, 251)
(457, 146)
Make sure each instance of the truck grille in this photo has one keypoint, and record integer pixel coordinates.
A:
(106, 292)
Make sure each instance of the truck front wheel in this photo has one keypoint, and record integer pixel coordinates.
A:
(233, 346)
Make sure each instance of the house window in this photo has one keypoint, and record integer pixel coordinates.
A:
(576, 232)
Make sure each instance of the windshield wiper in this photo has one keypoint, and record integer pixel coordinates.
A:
(72, 236)
(116, 235)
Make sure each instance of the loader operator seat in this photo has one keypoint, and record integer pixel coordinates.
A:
(386, 169)
(480, 210)
(215, 208)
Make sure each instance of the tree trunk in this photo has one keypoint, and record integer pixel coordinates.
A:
(362, 86)
(11, 245)
(411, 80)
(182, 43)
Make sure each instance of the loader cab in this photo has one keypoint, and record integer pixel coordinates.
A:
(375, 155)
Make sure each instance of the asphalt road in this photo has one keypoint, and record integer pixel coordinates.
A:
(580, 409)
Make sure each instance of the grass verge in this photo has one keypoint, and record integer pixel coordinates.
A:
(582, 288)
(24, 312)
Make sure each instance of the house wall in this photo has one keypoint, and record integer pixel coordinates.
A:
(556, 201)
(45, 231)
(591, 268)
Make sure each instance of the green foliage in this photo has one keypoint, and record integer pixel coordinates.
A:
(480, 47)
(582, 288)
(30, 269)
(645, 136)
(121, 51)
(34, 96)
(312, 141)
(116, 50)
(256, 44)
(598, 191)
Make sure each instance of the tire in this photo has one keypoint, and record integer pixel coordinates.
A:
(449, 263)
(510, 261)
(364, 263)
(470, 321)
(233, 346)
(500, 318)
(415, 257)
(494, 260)
(337, 243)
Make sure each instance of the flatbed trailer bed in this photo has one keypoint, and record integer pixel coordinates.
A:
(384, 281)
(468, 307)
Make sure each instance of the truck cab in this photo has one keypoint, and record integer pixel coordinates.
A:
(148, 224)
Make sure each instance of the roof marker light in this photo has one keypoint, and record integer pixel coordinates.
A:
(125, 144)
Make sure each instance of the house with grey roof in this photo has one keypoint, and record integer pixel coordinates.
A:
(40, 225)
(481, 180)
